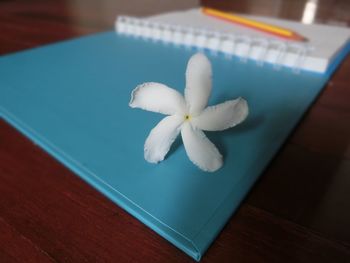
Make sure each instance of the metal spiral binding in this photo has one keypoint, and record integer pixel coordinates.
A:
(243, 46)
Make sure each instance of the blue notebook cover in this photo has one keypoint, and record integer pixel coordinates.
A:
(72, 98)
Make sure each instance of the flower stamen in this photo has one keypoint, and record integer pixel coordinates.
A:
(187, 117)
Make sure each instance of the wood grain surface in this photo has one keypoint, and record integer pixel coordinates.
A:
(299, 211)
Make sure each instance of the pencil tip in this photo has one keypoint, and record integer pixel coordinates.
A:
(301, 38)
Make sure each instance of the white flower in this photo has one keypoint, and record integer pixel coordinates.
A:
(188, 115)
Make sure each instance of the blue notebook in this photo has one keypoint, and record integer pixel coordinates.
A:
(71, 98)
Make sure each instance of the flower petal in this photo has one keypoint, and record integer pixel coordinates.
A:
(201, 151)
(222, 116)
(198, 83)
(161, 138)
(157, 97)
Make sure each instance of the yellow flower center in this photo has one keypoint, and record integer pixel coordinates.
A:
(187, 117)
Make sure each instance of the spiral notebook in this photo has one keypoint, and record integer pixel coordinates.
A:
(192, 28)
(71, 99)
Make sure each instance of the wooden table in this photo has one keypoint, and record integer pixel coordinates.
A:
(299, 211)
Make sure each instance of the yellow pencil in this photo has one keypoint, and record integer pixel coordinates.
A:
(271, 29)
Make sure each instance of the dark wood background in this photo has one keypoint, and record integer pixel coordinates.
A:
(299, 211)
